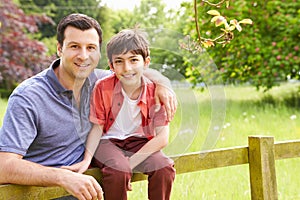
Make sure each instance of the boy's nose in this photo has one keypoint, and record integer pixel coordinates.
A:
(127, 66)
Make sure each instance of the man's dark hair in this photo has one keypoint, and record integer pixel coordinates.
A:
(79, 21)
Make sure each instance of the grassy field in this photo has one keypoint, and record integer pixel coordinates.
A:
(247, 112)
(3, 104)
(225, 117)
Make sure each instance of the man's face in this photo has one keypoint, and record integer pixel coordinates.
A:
(79, 54)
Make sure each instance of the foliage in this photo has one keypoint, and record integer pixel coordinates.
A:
(236, 63)
(152, 16)
(20, 56)
(57, 9)
(227, 33)
(265, 53)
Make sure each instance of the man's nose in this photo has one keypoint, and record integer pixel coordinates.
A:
(83, 54)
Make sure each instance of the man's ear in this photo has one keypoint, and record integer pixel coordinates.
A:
(58, 50)
(147, 62)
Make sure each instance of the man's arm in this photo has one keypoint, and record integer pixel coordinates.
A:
(157, 78)
(163, 93)
(14, 169)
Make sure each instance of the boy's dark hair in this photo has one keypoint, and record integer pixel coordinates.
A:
(79, 21)
(128, 40)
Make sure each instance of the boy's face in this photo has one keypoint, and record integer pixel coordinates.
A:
(129, 68)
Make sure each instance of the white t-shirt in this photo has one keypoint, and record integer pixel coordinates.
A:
(128, 122)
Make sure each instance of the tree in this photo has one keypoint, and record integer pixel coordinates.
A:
(20, 56)
(264, 55)
(151, 15)
(57, 9)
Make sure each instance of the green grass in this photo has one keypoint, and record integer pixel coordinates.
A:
(247, 112)
(199, 118)
(3, 105)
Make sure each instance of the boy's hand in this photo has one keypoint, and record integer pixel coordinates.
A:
(167, 97)
(80, 167)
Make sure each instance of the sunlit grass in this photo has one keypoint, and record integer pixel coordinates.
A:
(3, 105)
(248, 112)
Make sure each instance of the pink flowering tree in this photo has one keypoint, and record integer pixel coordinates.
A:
(20, 55)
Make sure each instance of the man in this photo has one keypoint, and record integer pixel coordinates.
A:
(46, 123)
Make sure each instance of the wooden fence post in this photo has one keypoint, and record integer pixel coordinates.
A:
(262, 168)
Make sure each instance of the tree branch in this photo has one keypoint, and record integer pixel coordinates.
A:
(196, 21)
(214, 4)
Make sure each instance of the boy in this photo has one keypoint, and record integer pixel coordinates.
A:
(132, 134)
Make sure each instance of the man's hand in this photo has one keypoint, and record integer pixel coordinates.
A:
(163, 92)
(14, 169)
(167, 97)
(81, 186)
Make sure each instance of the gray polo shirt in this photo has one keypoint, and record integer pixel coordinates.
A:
(42, 122)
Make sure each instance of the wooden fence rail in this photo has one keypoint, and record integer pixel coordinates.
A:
(260, 154)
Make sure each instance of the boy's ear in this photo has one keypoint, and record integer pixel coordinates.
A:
(111, 66)
(147, 62)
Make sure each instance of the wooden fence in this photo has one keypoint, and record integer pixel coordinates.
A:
(260, 154)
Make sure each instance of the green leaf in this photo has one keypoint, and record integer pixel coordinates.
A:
(246, 21)
(221, 20)
(238, 27)
(214, 19)
(213, 12)
(231, 28)
(227, 4)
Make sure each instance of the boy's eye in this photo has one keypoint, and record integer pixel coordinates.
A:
(134, 60)
(118, 61)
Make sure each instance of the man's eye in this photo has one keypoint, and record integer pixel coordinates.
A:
(74, 46)
(92, 48)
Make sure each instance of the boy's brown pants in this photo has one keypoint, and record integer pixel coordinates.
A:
(112, 158)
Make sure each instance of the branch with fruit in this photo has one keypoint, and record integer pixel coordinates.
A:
(227, 32)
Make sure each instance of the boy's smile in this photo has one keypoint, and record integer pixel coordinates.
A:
(129, 68)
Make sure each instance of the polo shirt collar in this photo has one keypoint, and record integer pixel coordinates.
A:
(55, 82)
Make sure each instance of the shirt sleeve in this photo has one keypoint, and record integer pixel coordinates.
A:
(101, 73)
(18, 129)
(97, 109)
